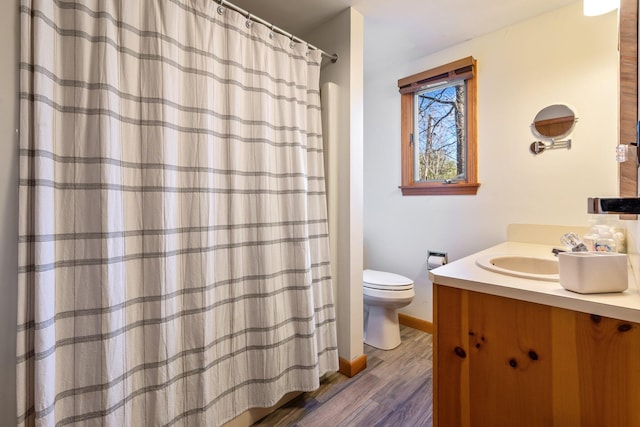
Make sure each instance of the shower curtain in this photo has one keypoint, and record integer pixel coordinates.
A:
(173, 246)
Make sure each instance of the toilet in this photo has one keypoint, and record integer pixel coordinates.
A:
(384, 293)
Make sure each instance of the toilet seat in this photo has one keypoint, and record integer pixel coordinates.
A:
(388, 297)
(385, 281)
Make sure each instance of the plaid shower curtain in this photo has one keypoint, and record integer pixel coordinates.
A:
(173, 244)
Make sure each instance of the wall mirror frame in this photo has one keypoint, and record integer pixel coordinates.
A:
(551, 124)
(628, 83)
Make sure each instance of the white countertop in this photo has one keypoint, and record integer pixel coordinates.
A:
(466, 274)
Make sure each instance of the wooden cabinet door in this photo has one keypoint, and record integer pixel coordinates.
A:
(505, 362)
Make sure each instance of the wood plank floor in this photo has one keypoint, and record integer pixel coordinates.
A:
(394, 390)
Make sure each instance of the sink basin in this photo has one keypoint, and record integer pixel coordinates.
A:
(528, 267)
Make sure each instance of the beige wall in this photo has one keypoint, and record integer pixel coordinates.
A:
(344, 36)
(558, 57)
(9, 34)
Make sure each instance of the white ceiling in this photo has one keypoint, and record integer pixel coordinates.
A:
(403, 28)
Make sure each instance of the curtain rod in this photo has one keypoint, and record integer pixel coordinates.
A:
(224, 3)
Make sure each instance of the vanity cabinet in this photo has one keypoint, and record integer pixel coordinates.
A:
(504, 362)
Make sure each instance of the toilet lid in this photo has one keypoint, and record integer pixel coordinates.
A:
(383, 280)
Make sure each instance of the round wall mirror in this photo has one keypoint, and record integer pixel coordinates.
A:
(554, 122)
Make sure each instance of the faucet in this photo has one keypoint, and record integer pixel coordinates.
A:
(571, 240)
(613, 205)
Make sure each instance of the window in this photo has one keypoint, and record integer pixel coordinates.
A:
(439, 130)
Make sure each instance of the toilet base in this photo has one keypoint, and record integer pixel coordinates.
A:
(383, 328)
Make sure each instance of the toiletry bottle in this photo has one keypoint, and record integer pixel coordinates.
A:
(621, 244)
(589, 241)
(605, 242)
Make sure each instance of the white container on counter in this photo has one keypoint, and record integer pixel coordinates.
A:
(593, 272)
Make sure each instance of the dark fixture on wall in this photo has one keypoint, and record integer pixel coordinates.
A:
(614, 205)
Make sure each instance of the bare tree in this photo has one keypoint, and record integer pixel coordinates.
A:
(441, 133)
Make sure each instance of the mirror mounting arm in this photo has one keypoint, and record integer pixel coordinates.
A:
(538, 147)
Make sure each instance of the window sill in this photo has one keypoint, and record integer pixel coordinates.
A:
(437, 189)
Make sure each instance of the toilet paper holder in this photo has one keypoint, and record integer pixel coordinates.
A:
(443, 255)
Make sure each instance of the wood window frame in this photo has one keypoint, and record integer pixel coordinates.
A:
(463, 69)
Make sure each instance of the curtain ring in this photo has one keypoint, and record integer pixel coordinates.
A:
(221, 7)
(271, 35)
(292, 43)
(249, 22)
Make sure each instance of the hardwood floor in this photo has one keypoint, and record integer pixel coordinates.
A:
(394, 390)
